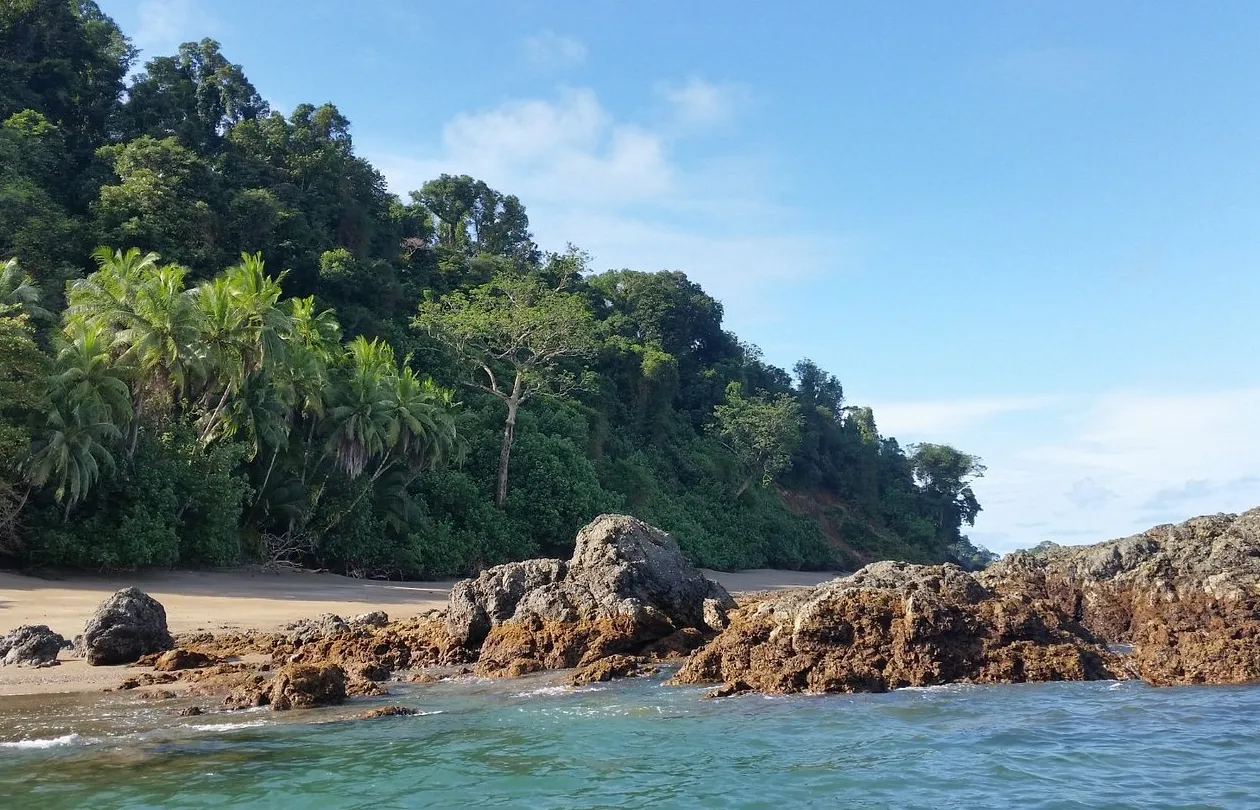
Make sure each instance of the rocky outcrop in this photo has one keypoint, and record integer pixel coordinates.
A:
(376, 618)
(323, 626)
(179, 658)
(1187, 597)
(297, 686)
(31, 645)
(894, 625)
(125, 627)
(627, 587)
(477, 605)
(614, 666)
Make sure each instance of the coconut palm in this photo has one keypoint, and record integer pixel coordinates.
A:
(360, 411)
(19, 291)
(86, 380)
(71, 454)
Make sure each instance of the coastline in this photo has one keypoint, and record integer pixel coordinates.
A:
(240, 600)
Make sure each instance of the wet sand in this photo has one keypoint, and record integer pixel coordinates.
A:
(237, 600)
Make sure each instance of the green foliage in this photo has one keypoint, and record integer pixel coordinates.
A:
(184, 405)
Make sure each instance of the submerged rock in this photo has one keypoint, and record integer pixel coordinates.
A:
(1186, 597)
(125, 627)
(386, 711)
(31, 645)
(614, 666)
(893, 625)
(627, 586)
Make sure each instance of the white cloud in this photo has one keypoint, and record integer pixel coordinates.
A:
(615, 188)
(548, 50)
(166, 24)
(1104, 466)
(944, 418)
(698, 103)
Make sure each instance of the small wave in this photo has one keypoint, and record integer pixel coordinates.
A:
(53, 742)
(227, 726)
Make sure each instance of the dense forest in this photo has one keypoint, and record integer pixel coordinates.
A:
(223, 340)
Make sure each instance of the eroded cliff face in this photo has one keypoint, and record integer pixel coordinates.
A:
(893, 625)
(1186, 596)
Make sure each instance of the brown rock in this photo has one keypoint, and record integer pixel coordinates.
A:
(614, 666)
(191, 711)
(1187, 597)
(179, 658)
(304, 686)
(892, 625)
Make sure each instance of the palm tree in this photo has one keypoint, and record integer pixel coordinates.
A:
(71, 454)
(19, 291)
(361, 410)
(86, 380)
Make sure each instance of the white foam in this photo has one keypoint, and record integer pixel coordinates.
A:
(227, 726)
(54, 742)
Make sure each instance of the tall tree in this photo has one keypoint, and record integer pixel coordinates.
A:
(760, 431)
(516, 335)
(945, 475)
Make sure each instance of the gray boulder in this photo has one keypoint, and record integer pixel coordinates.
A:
(325, 625)
(621, 566)
(477, 605)
(374, 619)
(31, 645)
(124, 627)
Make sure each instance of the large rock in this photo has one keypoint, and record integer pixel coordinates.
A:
(305, 686)
(124, 627)
(627, 586)
(31, 645)
(894, 625)
(324, 626)
(1187, 597)
(477, 605)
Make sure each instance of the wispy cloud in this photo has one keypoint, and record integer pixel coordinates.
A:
(698, 103)
(1103, 466)
(548, 50)
(616, 188)
(928, 418)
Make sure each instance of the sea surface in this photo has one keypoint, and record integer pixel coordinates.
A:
(533, 744)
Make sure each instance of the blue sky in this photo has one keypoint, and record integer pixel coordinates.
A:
(1031, 229)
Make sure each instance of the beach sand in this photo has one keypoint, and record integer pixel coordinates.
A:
(236, 600)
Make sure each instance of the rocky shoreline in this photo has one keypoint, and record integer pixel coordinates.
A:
(1185, 597)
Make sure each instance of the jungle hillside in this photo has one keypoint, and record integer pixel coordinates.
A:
(224, 341)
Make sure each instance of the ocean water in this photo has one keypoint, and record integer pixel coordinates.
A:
(534, 744)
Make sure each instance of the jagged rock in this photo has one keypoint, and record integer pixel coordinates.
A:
(177, 659)
(893, 625)
(31, 645)
(614, 666)
(323, 626)
(191, 711)
(477, 605)
(124, 627)
(375, 619)
(1187, 597)
(627, 586)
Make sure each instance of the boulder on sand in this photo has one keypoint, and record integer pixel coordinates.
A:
(31, 645)
(627, 586)
(477, 605)
(893, 625)
(124, 627)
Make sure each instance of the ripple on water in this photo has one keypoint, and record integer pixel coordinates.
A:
(538, 744)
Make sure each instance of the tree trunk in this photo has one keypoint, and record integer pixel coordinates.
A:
(744, 486)
(509, 433)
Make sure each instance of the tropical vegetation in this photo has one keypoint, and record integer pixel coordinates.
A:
(223, 340)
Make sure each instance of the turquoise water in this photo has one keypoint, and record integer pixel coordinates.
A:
(641, 744)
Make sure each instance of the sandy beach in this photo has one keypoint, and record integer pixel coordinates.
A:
(237, 600)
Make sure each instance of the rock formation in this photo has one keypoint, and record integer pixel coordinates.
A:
(124, 627)
(296, 686)
(31, 645)
(893, 625)
(1187, 597)
(627, 587)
